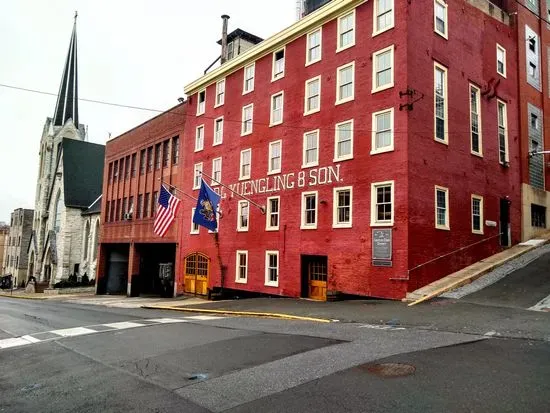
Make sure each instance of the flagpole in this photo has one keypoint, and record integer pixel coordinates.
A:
(178, 190)
(260, 207)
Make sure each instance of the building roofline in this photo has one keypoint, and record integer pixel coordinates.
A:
(242, 34)
(324, 14)
(146, 122)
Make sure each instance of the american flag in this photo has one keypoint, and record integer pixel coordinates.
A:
(167, 207)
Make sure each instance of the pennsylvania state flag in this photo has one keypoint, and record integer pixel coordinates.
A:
(207, 206)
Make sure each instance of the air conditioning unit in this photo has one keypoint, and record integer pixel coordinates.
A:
(128, 216)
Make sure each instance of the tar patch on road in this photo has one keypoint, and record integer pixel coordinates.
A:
(389, 370)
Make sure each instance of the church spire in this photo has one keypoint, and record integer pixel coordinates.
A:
(67, 100)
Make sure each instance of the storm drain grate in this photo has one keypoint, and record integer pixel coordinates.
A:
(390, 369)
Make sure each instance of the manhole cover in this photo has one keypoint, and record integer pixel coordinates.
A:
(390, 369)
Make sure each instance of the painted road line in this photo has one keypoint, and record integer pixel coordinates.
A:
(123, 325)
(380, 327)
(203, 318)
(542, 305)
(168, 320)
(73, 332)
(13, 342)
(31, 339)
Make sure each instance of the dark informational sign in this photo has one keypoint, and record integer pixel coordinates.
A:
(382, 247)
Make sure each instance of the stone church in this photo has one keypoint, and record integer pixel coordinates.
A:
(68, 189)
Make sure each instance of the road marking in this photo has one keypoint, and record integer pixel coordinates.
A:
(31, 339)
(378, 327)
(542, 305)
(13, 342)
(169, 320)
(73, 332)
(203, 317)
(123, 325)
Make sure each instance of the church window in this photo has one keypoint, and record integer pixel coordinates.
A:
(58, 212)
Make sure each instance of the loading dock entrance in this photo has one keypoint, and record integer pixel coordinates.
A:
(314, 277)
(156, 270)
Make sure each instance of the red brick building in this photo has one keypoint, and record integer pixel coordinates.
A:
(135, 164)
(360, 118)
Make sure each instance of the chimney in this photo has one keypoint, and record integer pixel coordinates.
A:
(225, 19)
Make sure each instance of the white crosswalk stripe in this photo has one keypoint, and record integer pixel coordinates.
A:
(98, 328)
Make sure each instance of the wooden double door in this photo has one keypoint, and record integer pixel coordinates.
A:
(314, 277)
(197, 268)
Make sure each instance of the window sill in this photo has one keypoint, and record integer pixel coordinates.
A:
(442, 228)
(246, 92)
(241, 281)
(343, 158)
(246, 133)
(338, 226)
(308, 227)
(310, 165)
(442, 142)
(444, 35)
(193, 233)
(385, 29)
(311, 112)
(312, 62)
(242, 229)
(384, 150)
(218, 105)
(346, 47)
(198, 150)
(272, 284)
(381, 224)
(274, 79)
(244, 178)
(217, 144)
(342, 101)
(477, 232)
(271, 124)
(275, 172)
(381, 88)
(478, 154)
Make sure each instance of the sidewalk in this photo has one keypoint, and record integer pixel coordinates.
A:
(22, 294)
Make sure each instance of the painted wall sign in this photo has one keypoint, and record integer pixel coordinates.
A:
(324, 175)
(381, 247)
(491, 223)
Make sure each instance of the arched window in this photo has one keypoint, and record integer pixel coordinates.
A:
(86, 238)
(58, 211)
(96, 240)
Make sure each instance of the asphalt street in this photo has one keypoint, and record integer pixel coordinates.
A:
(484, 353)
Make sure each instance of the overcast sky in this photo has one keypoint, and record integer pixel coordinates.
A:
(133, 52)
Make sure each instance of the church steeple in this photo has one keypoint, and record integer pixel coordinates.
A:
(67, 100)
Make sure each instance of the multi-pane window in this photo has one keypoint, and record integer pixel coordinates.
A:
(277, 101)
(127, 168)
(501, 60)
(477, 214)
(243, 215)
(533, 58)
(440, 18)
(139, 206)
(272, 214)
(272, 268)
(124, 207)
(158, 147)
(142, 162)
(502, 132)
(199, 138)
(175, 150)
(220, 92)
(382, 131)
(383, 15)
(313, 95)
(149, 159)
(343, 141)
(154, 203)
(247, 119)
(246, 160)
(197, 176)
(311, 149)
(309, 210)
(131, 205)
(241, 268)
(440, 103)
(201, 104)
(216, 171)
(146, 203)
(115, 171)
(345, 77)
(538, 216)
(314, 46)
(195, 229)
(441, 208)
(382, 69)
(133, 165)
(475, 120)
(218, 131)
(342, 207)
(278, 64)
(165, 153)
(275, 155)
(249, 74)
(382, 203)
(346, 31)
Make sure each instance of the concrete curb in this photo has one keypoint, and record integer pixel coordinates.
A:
(241, 313)
(23, 297)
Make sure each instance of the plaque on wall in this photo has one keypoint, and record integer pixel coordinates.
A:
(382, 247)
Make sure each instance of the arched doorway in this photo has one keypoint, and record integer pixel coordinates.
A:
(197, 267)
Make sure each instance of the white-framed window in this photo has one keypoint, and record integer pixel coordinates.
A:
(272, 268)
(440, 18)
(382, 131)
(216, 171)
(245, 165)
(275, 157)
(197, 175)
(241, 267)
(220, 93)
(345, 83)
(201, 102)
(243, 216)
(247, 119)
(249, 74)
(477, 214)
(440, 104)
(277, 105)
(314, 46)
(343, 141)
(501, 60)
(309, 210)
(218, 131)
(442, 208)
(382, 199)
(312, 101)
(476, 145)
(382, 69)
(383, 16)
(195, 229)
(273, 213)
(199, 138)
(342, 207)
(311, 149)
(503, 155)
(278, 64)
(346, 31)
